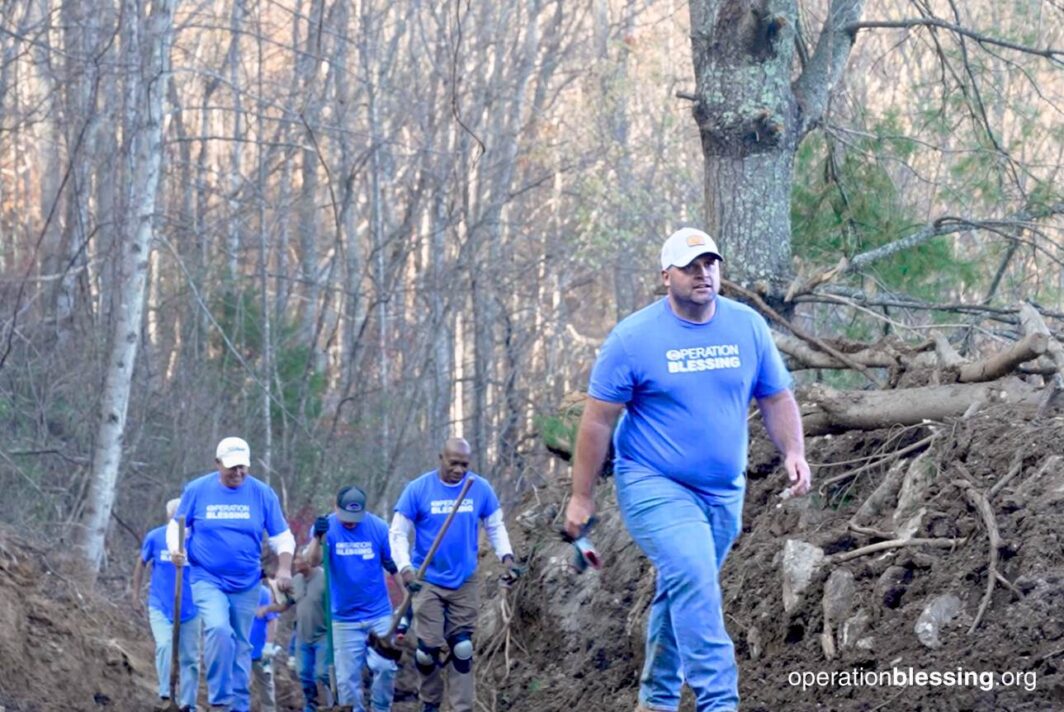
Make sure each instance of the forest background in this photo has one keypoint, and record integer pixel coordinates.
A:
(347, 230)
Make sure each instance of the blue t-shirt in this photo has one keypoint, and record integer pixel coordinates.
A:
(687, 389)
(163, 575)
(226, 529)
(358, 558)
(426, 502)
(257, 635)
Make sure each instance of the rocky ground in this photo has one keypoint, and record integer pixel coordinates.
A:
(802, 598)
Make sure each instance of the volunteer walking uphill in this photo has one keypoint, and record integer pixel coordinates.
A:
(356, 543)
(226, 513)
(446, 602)
(683, 372)
(155, 557)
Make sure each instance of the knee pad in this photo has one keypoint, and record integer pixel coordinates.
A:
(461, 651)
(426, 659)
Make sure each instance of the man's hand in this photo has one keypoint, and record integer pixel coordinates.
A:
(261, 611)
(410, 580)
(321, 526)
(798, 474)
(284, 580)
(138, 603)
(512, 572)
(578, 513)
(178, 558)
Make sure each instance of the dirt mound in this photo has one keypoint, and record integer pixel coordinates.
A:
(63, 647)
(575, 642)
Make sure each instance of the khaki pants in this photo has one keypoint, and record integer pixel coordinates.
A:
(440, 614)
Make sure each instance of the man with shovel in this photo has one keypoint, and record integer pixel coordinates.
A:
(358, 553)
(227, 512)
(684, 370)
(155, 556)
(446, 601)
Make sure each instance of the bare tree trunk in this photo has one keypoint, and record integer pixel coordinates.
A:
(145, 120)
(266, 373)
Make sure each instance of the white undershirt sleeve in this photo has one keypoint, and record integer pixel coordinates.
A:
(497, 534)
(400, 535)
(283, 543)
(172, 536)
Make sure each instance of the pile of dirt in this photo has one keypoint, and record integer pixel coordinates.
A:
(63, 647)
(575, 642)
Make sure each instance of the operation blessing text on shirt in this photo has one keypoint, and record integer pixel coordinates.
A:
(228, 511)
(703, 358)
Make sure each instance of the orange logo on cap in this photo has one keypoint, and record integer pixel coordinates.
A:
(695, 240)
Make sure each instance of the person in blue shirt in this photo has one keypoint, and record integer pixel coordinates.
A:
(683, 372)
(264, 649)
(226, 513)
(359, 554)
(446, 603)
(155, 557)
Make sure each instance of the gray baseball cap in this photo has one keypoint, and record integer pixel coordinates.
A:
(350, 505)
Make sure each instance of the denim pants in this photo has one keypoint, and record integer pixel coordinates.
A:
(686, 535)
(227, 618)
(262, 673)
(312, 671)
(188, 654)
(351, 652)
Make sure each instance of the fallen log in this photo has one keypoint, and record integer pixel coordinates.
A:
(829, 410)
(1005, 362)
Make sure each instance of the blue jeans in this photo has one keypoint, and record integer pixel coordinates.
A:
(311, 670)
(351, 653)
(686, 535)
(227, 620)
(188, 654)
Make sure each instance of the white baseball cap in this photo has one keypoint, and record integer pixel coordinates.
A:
(686, 244)
(232, 452)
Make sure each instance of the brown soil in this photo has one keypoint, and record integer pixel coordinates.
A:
(576, 641)
(560, 641)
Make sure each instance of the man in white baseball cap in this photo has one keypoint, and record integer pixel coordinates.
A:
(226, 512)
(686, 244)
(683, 371)
(232, 452)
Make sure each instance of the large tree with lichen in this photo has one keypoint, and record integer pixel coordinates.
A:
(761, 88)
(752, 115)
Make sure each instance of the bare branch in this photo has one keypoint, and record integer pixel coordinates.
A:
(1050, 53)
(825, 67)
(948, 225)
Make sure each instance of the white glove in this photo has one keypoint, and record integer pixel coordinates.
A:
(270, 650)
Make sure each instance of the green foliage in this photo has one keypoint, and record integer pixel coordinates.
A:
(558, 432)
(302, 384)
(845, 201)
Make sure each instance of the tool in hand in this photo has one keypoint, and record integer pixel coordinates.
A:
(330, 651)
(383, 644)
(585, 554)
(175, 637)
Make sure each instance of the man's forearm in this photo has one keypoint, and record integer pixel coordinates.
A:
(314, 553)
(592, 447)
(783, 421)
